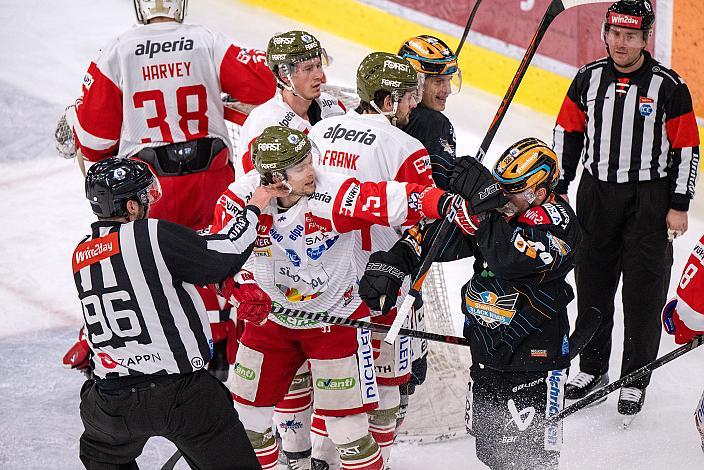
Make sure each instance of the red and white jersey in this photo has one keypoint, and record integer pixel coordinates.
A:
(690, 291)
(368, 147)
(161, 83)
(276, 112)
(303, 258)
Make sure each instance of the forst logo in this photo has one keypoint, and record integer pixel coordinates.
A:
(266, 146)
(390, 64)
(345, 383)
(153, 48)
(391, 83)
(278, 41)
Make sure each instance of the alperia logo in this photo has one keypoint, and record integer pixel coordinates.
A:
(244, 372)
(345, 383)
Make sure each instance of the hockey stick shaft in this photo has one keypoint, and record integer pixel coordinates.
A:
(171, 463)
(555, 8)
(334, 320)
(635, 375)
(467, 27)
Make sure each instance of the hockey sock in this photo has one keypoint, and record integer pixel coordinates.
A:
(324, 454)
(265, 447)
(362, 454)
(382, 427)
(292, 415)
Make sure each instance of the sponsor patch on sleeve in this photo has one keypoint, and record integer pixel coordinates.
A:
(95, 250)
(535, 216)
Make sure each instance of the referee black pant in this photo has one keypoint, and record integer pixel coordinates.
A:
(624, 236)
(194, 411)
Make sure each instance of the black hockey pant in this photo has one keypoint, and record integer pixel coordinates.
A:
(624, 235)
(507, 412)
(194, 411)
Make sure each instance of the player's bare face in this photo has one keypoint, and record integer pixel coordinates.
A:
(301, 177)
(625, 46)
(408, 102)
(436, 89)
(307, 78)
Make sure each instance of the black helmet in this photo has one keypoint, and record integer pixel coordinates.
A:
(633, 14)
(112, 182)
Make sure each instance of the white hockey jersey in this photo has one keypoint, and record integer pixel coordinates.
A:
(368, 147)
(161, 83)
(276, 112)
(303, 258)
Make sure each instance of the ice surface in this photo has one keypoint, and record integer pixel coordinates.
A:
(47, 46)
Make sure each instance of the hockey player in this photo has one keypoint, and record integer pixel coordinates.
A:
(154, 94)
(440, 76)
(436, 64)
(683, 316)
(304, 259)
(147, 326)
(515, 304)
(369, 146)
(297, 60)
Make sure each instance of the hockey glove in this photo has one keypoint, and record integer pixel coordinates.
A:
(673, 325)
(464, 219)
(474, 182)
(380, 285)
(252, 303)
(78, 357)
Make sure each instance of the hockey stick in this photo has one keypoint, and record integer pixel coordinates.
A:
(171, 463)
(470, 20)
(554, 9)
(635, 375)
(365, 325)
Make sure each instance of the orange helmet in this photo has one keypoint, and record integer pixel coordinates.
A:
(527, 164)
(431, 56)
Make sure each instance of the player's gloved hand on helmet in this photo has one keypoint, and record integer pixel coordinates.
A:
(380, 285)
(475, 183)
(673, 325)
(78, 356)
(242, 291)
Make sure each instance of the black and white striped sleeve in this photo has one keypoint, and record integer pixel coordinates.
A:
(208, 259)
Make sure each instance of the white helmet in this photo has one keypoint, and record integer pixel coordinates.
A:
(148, 9)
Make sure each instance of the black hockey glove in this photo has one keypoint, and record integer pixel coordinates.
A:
(474, 182)
(383, 276)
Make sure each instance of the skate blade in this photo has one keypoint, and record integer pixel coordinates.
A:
(627, 420)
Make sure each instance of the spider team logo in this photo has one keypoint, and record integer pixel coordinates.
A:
(490, 309)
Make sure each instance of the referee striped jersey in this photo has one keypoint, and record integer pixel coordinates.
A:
(135, 281)
(629, 128)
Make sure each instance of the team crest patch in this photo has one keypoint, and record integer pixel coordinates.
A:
(645, 106)
(490, 309)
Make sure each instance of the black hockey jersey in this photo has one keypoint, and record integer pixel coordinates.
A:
(135, 281)
(515, 305)
(437, 135)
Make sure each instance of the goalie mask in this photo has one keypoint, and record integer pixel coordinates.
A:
(112, 182)
(431, 56)
(149, 9)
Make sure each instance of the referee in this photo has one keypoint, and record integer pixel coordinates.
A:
(147, 326)
(630, 119)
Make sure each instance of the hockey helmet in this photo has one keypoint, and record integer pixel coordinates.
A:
(384, 71)
(279, 148)
(527, 164)
(287, 49)
(110, 183)
(632, 14)
(431, 56)
(148, 9)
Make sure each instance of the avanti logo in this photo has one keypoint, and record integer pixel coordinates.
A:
(345, 383)
(244, 372)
